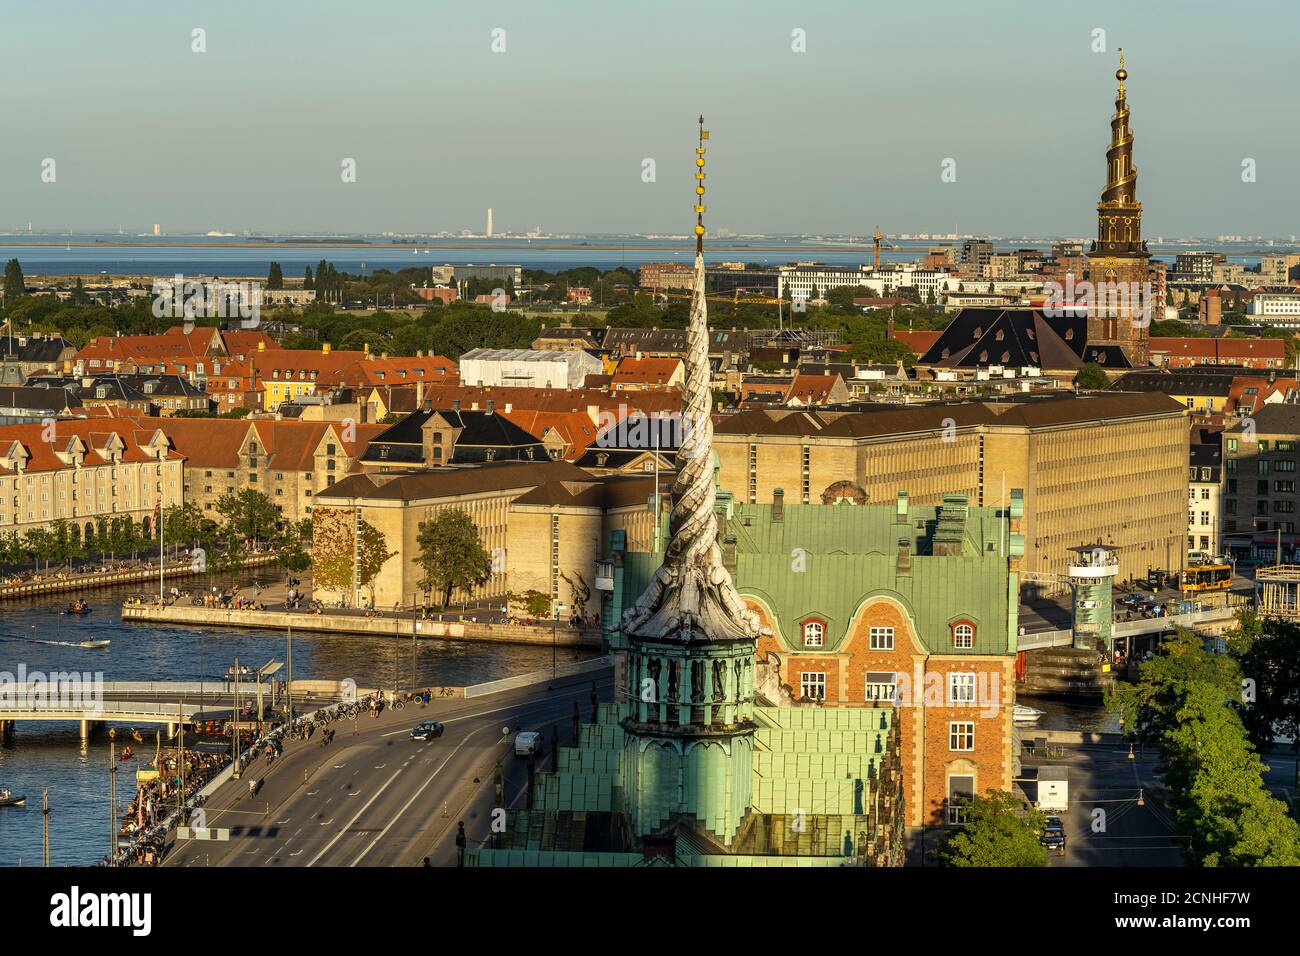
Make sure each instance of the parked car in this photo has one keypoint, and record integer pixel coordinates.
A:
(1053, 836)
(426, 730)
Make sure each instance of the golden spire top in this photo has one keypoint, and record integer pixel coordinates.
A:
(699, 190)
(1121, 74)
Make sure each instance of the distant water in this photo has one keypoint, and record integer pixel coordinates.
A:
(49, 754)
(118, 255)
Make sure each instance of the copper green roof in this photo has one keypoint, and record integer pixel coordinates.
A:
(825, 561)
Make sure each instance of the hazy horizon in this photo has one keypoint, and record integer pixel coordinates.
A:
(553, 132)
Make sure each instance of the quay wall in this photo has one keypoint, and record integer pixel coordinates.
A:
(356, 624)
(104, 579)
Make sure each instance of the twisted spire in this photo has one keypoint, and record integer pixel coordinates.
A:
(1121, 177)
(691, 596)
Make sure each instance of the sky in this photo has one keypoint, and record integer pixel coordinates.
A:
(555, 130)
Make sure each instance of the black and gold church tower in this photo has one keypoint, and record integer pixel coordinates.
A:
(1118, 260)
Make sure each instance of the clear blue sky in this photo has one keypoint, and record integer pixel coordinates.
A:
(251, 134)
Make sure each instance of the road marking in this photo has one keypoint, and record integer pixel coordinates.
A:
(339, 835)
(328, 822)
(417, 793)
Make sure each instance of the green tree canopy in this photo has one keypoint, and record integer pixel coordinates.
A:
(1000, 831)
(450, 553)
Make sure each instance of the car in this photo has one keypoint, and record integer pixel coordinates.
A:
(1053, 836)
(426, 730)
(528, 743)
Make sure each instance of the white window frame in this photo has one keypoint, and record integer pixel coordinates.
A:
(820, 639)
(961, 687)
(881, 638)
(960, 731)
(878, 691)
(957, 633)
(812, 680)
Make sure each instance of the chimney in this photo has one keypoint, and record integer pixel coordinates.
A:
(900, 509)
(325, 349)
(904, 565)
(729, 553)
(778, 504)
(419, 392)
(455, 404)
(490, 407)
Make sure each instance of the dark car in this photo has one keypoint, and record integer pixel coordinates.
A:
(1053, 836)
(426, 730)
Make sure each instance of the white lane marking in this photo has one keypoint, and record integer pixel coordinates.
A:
(486, 713)
(328, 846)
(328, 822)
(417, 793)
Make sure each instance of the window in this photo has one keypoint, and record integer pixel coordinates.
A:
(881, 687)
(812, 685)
(961, 790)
(963, 636)
(961, 688)
(882, 638)
(961, 735)
(813, 633)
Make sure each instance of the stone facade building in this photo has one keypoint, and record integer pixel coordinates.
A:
(1107, 465)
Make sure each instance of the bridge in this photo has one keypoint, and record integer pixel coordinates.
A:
(70, 696)
(1213, 619)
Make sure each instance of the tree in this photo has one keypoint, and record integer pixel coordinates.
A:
(1000, 831)
(15, 285)
(1189, 702)
(334, 547)
(1091, 376)
(1269, 653)
(307, 281)
(450, 554)
(249, 514)
(275, 277)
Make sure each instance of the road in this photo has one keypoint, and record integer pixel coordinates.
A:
(1104, 824)
(375, 797)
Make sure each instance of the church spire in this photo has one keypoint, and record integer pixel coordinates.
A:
(692, 597)
(1121, 177)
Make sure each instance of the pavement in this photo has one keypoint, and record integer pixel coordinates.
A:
(374, 797)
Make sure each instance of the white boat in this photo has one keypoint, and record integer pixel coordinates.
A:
(94, 645)
(1024, 714)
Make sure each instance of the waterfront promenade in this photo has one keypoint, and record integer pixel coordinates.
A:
(123, 572)
(352, 621)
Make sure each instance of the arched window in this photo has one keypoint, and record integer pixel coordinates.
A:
(963, 636)
(814, 633)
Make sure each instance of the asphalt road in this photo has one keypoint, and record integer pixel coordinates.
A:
(1104, 824)
(376, 797)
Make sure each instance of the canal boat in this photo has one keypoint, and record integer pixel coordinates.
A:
(7, 798)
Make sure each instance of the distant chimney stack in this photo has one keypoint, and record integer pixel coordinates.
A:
(778, 504)
(490, 407)
(904, 565)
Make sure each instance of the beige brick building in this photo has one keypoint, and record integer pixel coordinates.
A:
(288, 461)
(543, 523)
(81, 470)
(1109, 467)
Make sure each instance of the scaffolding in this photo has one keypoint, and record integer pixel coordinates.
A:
(1277, 590)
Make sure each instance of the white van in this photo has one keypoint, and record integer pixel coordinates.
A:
(528, 743)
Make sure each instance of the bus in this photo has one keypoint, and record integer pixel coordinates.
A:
(1204, 573)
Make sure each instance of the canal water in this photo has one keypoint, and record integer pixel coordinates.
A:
(49, 755)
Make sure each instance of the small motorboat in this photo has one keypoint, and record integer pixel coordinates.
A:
(94, 645)
(1024, 714)
(78, 607)
(7, 798)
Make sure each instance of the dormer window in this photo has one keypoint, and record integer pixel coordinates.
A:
(963, 636)
(814, 633)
